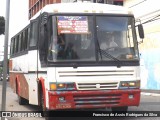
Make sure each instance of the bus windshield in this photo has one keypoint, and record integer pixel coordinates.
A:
(83, 38)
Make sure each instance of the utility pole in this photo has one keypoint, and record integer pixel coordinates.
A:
(5, 63)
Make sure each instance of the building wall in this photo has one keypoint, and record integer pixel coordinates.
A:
(66, 1)
(36, 5)
(148, 12)
(117, 2)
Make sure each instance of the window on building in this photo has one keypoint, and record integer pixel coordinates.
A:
(118, 2)
(100, 1)
(109, 1)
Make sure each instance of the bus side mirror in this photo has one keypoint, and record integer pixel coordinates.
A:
(141, 31)
(44, 18)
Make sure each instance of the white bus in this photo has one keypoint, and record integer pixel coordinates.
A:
(63, 59)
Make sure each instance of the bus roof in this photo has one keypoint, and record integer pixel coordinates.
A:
(83, 8)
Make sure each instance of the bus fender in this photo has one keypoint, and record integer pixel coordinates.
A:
(42, 85)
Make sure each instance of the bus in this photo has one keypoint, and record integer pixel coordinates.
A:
(63, 60)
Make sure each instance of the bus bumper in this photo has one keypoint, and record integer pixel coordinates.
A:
(93, 99)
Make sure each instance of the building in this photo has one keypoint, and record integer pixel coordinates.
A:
(148, 12)
(116, 2)
(37, 5)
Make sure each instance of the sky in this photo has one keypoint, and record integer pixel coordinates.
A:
(18, 18)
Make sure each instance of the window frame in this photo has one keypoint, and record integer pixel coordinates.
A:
(22, 47)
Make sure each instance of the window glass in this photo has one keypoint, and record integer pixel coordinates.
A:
(16, 44)
(23, 41)
(27, 34)
(116, 37)
(34, 34)
(20, 43)
(85, 38)
(74, 39)
(12, 46)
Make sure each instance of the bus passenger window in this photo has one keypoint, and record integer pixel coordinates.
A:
(34, 34)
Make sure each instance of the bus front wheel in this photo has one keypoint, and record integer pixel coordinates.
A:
(43, 108)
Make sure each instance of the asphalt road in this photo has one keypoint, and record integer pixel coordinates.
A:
(149, 102)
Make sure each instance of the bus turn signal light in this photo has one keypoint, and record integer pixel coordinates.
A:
(53, 86)
(63, 86)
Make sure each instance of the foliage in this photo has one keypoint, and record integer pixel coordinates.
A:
(2, 25)
(1, 70)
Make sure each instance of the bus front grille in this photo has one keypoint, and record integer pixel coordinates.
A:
(97, 101)
(97, 86)
(100, 73)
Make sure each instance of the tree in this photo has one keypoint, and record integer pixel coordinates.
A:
(2, 25)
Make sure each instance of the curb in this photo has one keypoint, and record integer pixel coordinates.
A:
(150, 94)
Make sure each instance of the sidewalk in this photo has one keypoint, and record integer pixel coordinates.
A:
(150, 92)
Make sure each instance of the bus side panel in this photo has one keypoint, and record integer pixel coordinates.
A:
(24, 92)
(12, 81)
(32, 77)
(33, 89)
(18, 67)
(19, 84)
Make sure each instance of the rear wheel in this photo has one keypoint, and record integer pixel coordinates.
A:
(21, 100)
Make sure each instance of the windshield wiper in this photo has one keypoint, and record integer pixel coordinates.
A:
(107, 55)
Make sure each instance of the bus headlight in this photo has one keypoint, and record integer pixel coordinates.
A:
(63, 86)
(129, 84)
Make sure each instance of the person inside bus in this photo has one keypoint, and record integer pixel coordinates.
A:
(112, 43)
(56, 48)
(70, 51)
(109, 43)
(60, 47)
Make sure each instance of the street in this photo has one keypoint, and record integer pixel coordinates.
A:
(149, 102)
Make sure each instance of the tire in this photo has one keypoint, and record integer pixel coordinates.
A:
(43, 108)
(120, 109)
(21, 100)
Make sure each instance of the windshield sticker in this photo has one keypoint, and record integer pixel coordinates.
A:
(72, 24)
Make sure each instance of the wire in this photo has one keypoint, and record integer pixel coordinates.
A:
(137, 4)
(153, 19)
